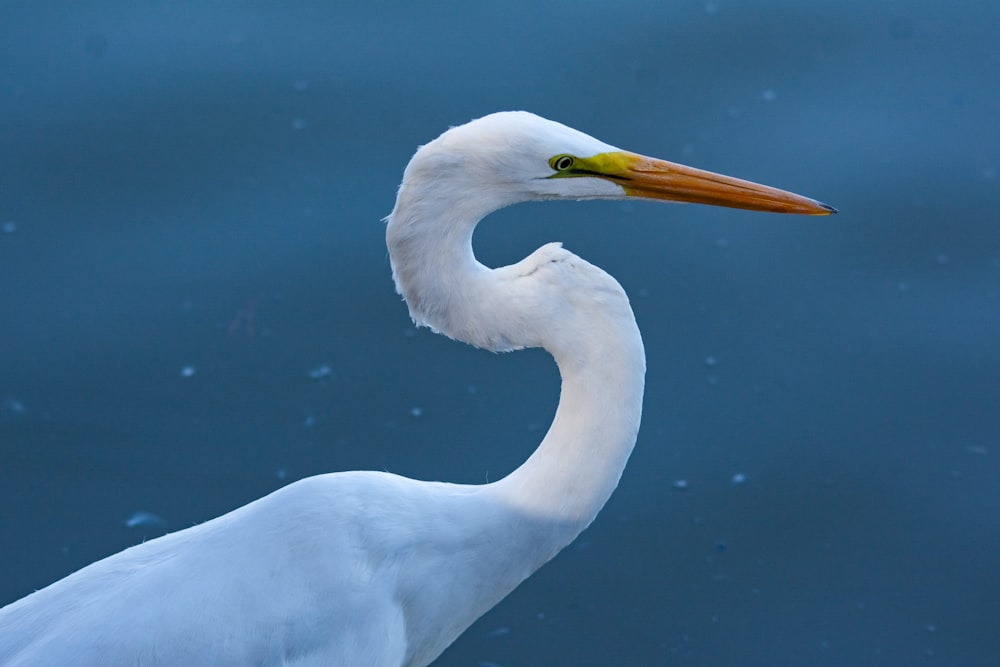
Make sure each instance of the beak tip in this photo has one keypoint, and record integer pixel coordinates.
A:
(829, 209)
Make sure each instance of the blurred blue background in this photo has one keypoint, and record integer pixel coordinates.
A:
(197, 309)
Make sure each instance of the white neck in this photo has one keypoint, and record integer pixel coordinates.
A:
(574, 470)
(551, 299)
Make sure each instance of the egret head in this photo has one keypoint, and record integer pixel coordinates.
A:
(514, 156)
(470, 171)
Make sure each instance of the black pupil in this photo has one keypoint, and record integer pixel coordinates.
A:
(564, 162)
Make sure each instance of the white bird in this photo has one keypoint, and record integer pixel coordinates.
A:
(374, 569)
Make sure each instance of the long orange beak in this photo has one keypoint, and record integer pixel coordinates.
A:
(659, 179)
(642, 176)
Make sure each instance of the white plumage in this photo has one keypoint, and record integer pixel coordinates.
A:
(369, 568)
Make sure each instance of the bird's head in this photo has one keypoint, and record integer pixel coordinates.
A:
(515, 156)
(472, 170)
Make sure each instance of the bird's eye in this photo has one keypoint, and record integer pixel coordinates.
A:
(562, 162)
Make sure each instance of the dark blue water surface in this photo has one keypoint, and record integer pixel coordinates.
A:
(197, 309)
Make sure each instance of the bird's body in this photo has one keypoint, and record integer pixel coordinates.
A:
(369, 568)
(175, 600)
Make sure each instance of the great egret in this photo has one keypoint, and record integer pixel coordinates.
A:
(369, 568)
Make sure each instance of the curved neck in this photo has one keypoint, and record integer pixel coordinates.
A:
(581, 316)
(572, 473)
(435, 270)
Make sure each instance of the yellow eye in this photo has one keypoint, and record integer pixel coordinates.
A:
(562, 162)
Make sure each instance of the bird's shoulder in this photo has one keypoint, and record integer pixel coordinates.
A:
(365, 505)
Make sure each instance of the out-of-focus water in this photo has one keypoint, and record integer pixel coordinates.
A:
(197, 309)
